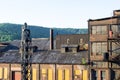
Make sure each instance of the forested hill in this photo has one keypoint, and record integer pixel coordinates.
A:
(10, 31)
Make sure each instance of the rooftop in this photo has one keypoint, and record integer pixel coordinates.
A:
(43, 54)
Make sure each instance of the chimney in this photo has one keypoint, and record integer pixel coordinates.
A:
(51, 39)
(116, 13)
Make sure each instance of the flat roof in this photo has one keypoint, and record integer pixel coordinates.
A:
(113, 17)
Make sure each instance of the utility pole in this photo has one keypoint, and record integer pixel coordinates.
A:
(26, 53)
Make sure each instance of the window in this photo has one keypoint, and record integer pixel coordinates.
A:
(68, 41)
(5, 74)
(46, 74)
(117, 75)
(34, 74)
(81, 41)
(50, 74)
(103, 75)
(60, 74)
(67, 74)
(1, 72)
(77, 75)
(98, 48)
(63, 74)
(16, 75)
(94, 75)
(116, 30)
(85, 75)
(99, 30)
(99, 64)
(81, 75)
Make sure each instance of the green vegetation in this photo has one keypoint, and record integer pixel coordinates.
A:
(9, 32)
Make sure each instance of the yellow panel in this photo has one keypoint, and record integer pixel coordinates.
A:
(85, 75)
(0, 73)
(44, 71)
(34, 74)
(50, 74)
(67, 74)
(77, 72)
(60, 74)
(5, 73)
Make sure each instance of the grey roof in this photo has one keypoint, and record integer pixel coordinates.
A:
(43, 55)
(46, 57)
(42, 44)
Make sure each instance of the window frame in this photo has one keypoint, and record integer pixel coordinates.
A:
(99, 30)
(96, 48)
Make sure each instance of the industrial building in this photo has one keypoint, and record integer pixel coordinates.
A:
(104, 47)
(92, 56)
(65, 63)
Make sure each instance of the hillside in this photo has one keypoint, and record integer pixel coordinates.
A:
(10, 31)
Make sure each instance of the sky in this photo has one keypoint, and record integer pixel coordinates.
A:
(56, 13)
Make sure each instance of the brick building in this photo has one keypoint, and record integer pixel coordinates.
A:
(104, 47)
(93, 56)
(46, 64)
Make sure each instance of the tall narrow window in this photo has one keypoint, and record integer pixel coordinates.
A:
(78, 75)
(81, 41)
(103, 75)
(94, 75)
(44, 74)
(68, 41)
(5, 73)
(1, 73)
(67, 74)
(60, 74)
(94, 48)
(99, 30)
(94, 29)
(85, 75)
(99, 47)
(34, 74)
(50, 76)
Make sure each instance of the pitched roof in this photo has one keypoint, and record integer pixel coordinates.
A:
(47, 57)
(43, 55)
(42, 44)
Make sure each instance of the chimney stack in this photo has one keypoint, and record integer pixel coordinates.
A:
(116, 13)
(51, 39)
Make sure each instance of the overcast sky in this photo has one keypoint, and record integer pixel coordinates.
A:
(56, 13)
